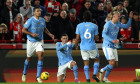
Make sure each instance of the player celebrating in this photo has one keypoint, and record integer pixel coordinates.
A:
(109, 34)
(65, 59)
(88, 32)
(34, 28)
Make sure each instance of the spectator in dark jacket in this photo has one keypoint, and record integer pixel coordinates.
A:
(17, 4)
(100, 16)
(73, 19)
(86, 6)
(43, 11)
(135, 27)
(8, 13)
(63, 25)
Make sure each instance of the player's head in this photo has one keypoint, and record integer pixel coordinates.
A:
(37, 11)
(87, 16)
(64, 38)
(116, 16)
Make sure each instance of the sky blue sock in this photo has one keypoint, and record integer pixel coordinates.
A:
(75, 71)
(109, 69)
(96, 68)
(86, 70)
(39, 67)
(26, 66)
(105, 68)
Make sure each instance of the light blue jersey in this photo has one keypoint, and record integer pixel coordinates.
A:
(35, 26)
(64, 53)
(110, 32)
(87, 31)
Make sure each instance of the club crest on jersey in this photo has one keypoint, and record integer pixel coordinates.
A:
(104, 28)
(38, 23)
(115, 28)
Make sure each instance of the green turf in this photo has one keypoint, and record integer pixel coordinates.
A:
(80, 83)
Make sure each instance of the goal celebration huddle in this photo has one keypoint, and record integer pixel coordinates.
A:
(87, 35)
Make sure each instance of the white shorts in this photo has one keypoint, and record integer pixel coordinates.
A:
(93, 54)
(32, 46)
(110, 53)
(62, 69)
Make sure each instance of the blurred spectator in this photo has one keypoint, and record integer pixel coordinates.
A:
(137, 5)
(17, 4)
(113, 2)
(94, 4)
(108, 6)
(8, 13)
(54, 16)
(69, 2)
(63, 25)
(43, 11)
(49, 25)
(65, 7)
(26, 10)
(77, 4)
(73, 19)
(3, 32)
(121, 9)
(135, 27)
(16, 27)
(127, 6)
(52, 6)
(100, 16)
(86, 6)
(125, 34)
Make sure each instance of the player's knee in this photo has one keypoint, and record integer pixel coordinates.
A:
(28, 59)
(112, 62)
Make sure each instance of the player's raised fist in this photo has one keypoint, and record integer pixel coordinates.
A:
(69, 43)
(34, 34)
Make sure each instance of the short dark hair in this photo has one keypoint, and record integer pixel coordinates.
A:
(64, 34)
(36, 7)
(87, 16)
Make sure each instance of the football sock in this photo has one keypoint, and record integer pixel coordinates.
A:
(39, 68)
(75, 70)
(108, 70)
(96, 68)
(26, 66)
(86, 70)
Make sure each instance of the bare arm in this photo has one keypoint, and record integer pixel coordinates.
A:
(77, 40)
(47, 32)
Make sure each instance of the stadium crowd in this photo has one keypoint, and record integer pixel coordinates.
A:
(62, 16)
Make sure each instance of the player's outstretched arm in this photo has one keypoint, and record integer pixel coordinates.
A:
(24, 30)
(47, 32)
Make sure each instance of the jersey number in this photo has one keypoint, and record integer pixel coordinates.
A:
(87, 34)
